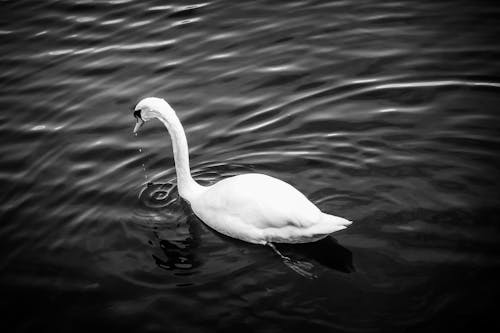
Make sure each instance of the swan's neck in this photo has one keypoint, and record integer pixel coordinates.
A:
(187, 186)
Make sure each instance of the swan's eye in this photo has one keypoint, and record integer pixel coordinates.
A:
(137, 114)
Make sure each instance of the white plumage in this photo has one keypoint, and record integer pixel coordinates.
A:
(252, 207)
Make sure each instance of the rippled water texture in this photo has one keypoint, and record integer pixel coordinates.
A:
(386, 113)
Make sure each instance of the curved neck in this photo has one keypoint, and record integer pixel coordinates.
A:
(187, 186)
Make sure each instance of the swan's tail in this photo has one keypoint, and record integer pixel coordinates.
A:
(333, 223)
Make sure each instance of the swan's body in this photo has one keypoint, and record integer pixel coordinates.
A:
(252, 207)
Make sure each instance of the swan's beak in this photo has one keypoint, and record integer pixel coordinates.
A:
(139, 123)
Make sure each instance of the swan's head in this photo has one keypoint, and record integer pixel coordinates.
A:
(149, 108)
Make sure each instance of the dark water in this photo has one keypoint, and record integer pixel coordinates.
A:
(386, 113)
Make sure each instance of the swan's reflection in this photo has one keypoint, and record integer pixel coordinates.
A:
(173, 226)
(178, 255)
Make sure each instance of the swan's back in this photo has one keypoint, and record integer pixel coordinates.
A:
(260, 209)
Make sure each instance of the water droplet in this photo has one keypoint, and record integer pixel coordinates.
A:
(145, 173)
(144, 167)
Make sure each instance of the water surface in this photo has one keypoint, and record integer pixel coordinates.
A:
(383, 113)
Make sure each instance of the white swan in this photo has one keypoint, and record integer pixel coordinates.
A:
(252, 207)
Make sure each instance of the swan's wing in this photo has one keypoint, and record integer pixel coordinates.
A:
(259, 201)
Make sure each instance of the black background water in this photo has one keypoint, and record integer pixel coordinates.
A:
(385, 113)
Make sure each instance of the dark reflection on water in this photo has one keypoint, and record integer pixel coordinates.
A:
(385, 113)
(326, 252)
(178, 255)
